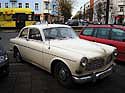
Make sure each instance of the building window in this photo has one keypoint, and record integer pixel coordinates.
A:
(54, 7)
(36, 6)
(6, 5)
(46, 5)
(13, 5)
(0, 5)
(121, 9)
(27, 5)
(20, 5)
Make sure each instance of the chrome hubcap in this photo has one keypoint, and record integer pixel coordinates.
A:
(62, 74)
(17, 56)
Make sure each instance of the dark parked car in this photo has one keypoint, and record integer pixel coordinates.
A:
(85, 23)
(4, 62)
(106, 34)
(72, 23)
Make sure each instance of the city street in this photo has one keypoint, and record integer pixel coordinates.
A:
(27, 78)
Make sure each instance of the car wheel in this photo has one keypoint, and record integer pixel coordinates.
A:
(17, 56)
(63, 75)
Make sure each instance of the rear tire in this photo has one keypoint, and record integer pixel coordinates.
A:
(17, 55)
(63, 75)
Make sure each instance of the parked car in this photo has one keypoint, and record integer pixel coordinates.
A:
(73, 22)
(58, 50)
(106, 34)
(85, 22)
(4, 63)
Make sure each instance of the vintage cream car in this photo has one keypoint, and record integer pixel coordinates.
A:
(58, 50)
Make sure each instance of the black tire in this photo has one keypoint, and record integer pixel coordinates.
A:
(63, 75)
(17, 55)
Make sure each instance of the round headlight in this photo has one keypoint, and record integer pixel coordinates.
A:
(115, 53)
(2, 58)
(84, 61)
(6, 57)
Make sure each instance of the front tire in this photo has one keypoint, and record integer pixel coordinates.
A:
(63, 75)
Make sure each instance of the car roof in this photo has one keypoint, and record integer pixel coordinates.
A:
(44, 26)
(119, 27)
(105, 26)
(98, 26)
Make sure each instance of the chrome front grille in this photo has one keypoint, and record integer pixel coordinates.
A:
(109, 59)
(95, 64)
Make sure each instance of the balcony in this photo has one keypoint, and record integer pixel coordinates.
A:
(121, 13)
(120, 3)
(46, 11)
(13, 0)
(46, 1)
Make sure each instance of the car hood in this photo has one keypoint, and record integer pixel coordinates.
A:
(83, 47)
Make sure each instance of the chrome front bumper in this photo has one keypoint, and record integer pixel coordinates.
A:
(94, 76)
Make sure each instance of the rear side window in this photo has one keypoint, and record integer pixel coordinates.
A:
(118, 35)
(103, 32)
(87, 32)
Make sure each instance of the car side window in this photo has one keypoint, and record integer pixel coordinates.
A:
(34, 33)
(103, 32)
(24, 33)
(118, 35)
(87, 32)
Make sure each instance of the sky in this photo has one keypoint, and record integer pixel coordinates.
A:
(77, 5)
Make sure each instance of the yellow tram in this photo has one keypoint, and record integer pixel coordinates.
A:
(16, 17)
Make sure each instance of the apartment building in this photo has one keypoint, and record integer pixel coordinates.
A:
(43, 9)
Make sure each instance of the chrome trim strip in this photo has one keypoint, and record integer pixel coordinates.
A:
(44, 52)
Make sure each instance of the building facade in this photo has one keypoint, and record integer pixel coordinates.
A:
(87, 11)
(43, 9)
(116, 11)
(119, 6)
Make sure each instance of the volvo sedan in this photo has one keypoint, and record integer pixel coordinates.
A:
(58, 50)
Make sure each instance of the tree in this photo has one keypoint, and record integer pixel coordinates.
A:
(100, 10)
(65, 8)
(78, 15)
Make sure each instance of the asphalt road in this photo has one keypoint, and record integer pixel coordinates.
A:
(26, 78)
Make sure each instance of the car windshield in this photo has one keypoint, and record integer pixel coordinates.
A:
(118, 35)
(59, 33)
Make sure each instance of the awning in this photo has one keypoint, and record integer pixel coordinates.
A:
(15, 10)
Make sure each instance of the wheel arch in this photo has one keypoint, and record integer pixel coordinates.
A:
(55, 61)
(15, 49)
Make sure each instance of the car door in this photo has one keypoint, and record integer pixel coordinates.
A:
(22, 42)
(118, 40)
(50, 34)
(87, 34)
(35, 47)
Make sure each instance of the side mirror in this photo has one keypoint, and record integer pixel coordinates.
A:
(0, 38)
